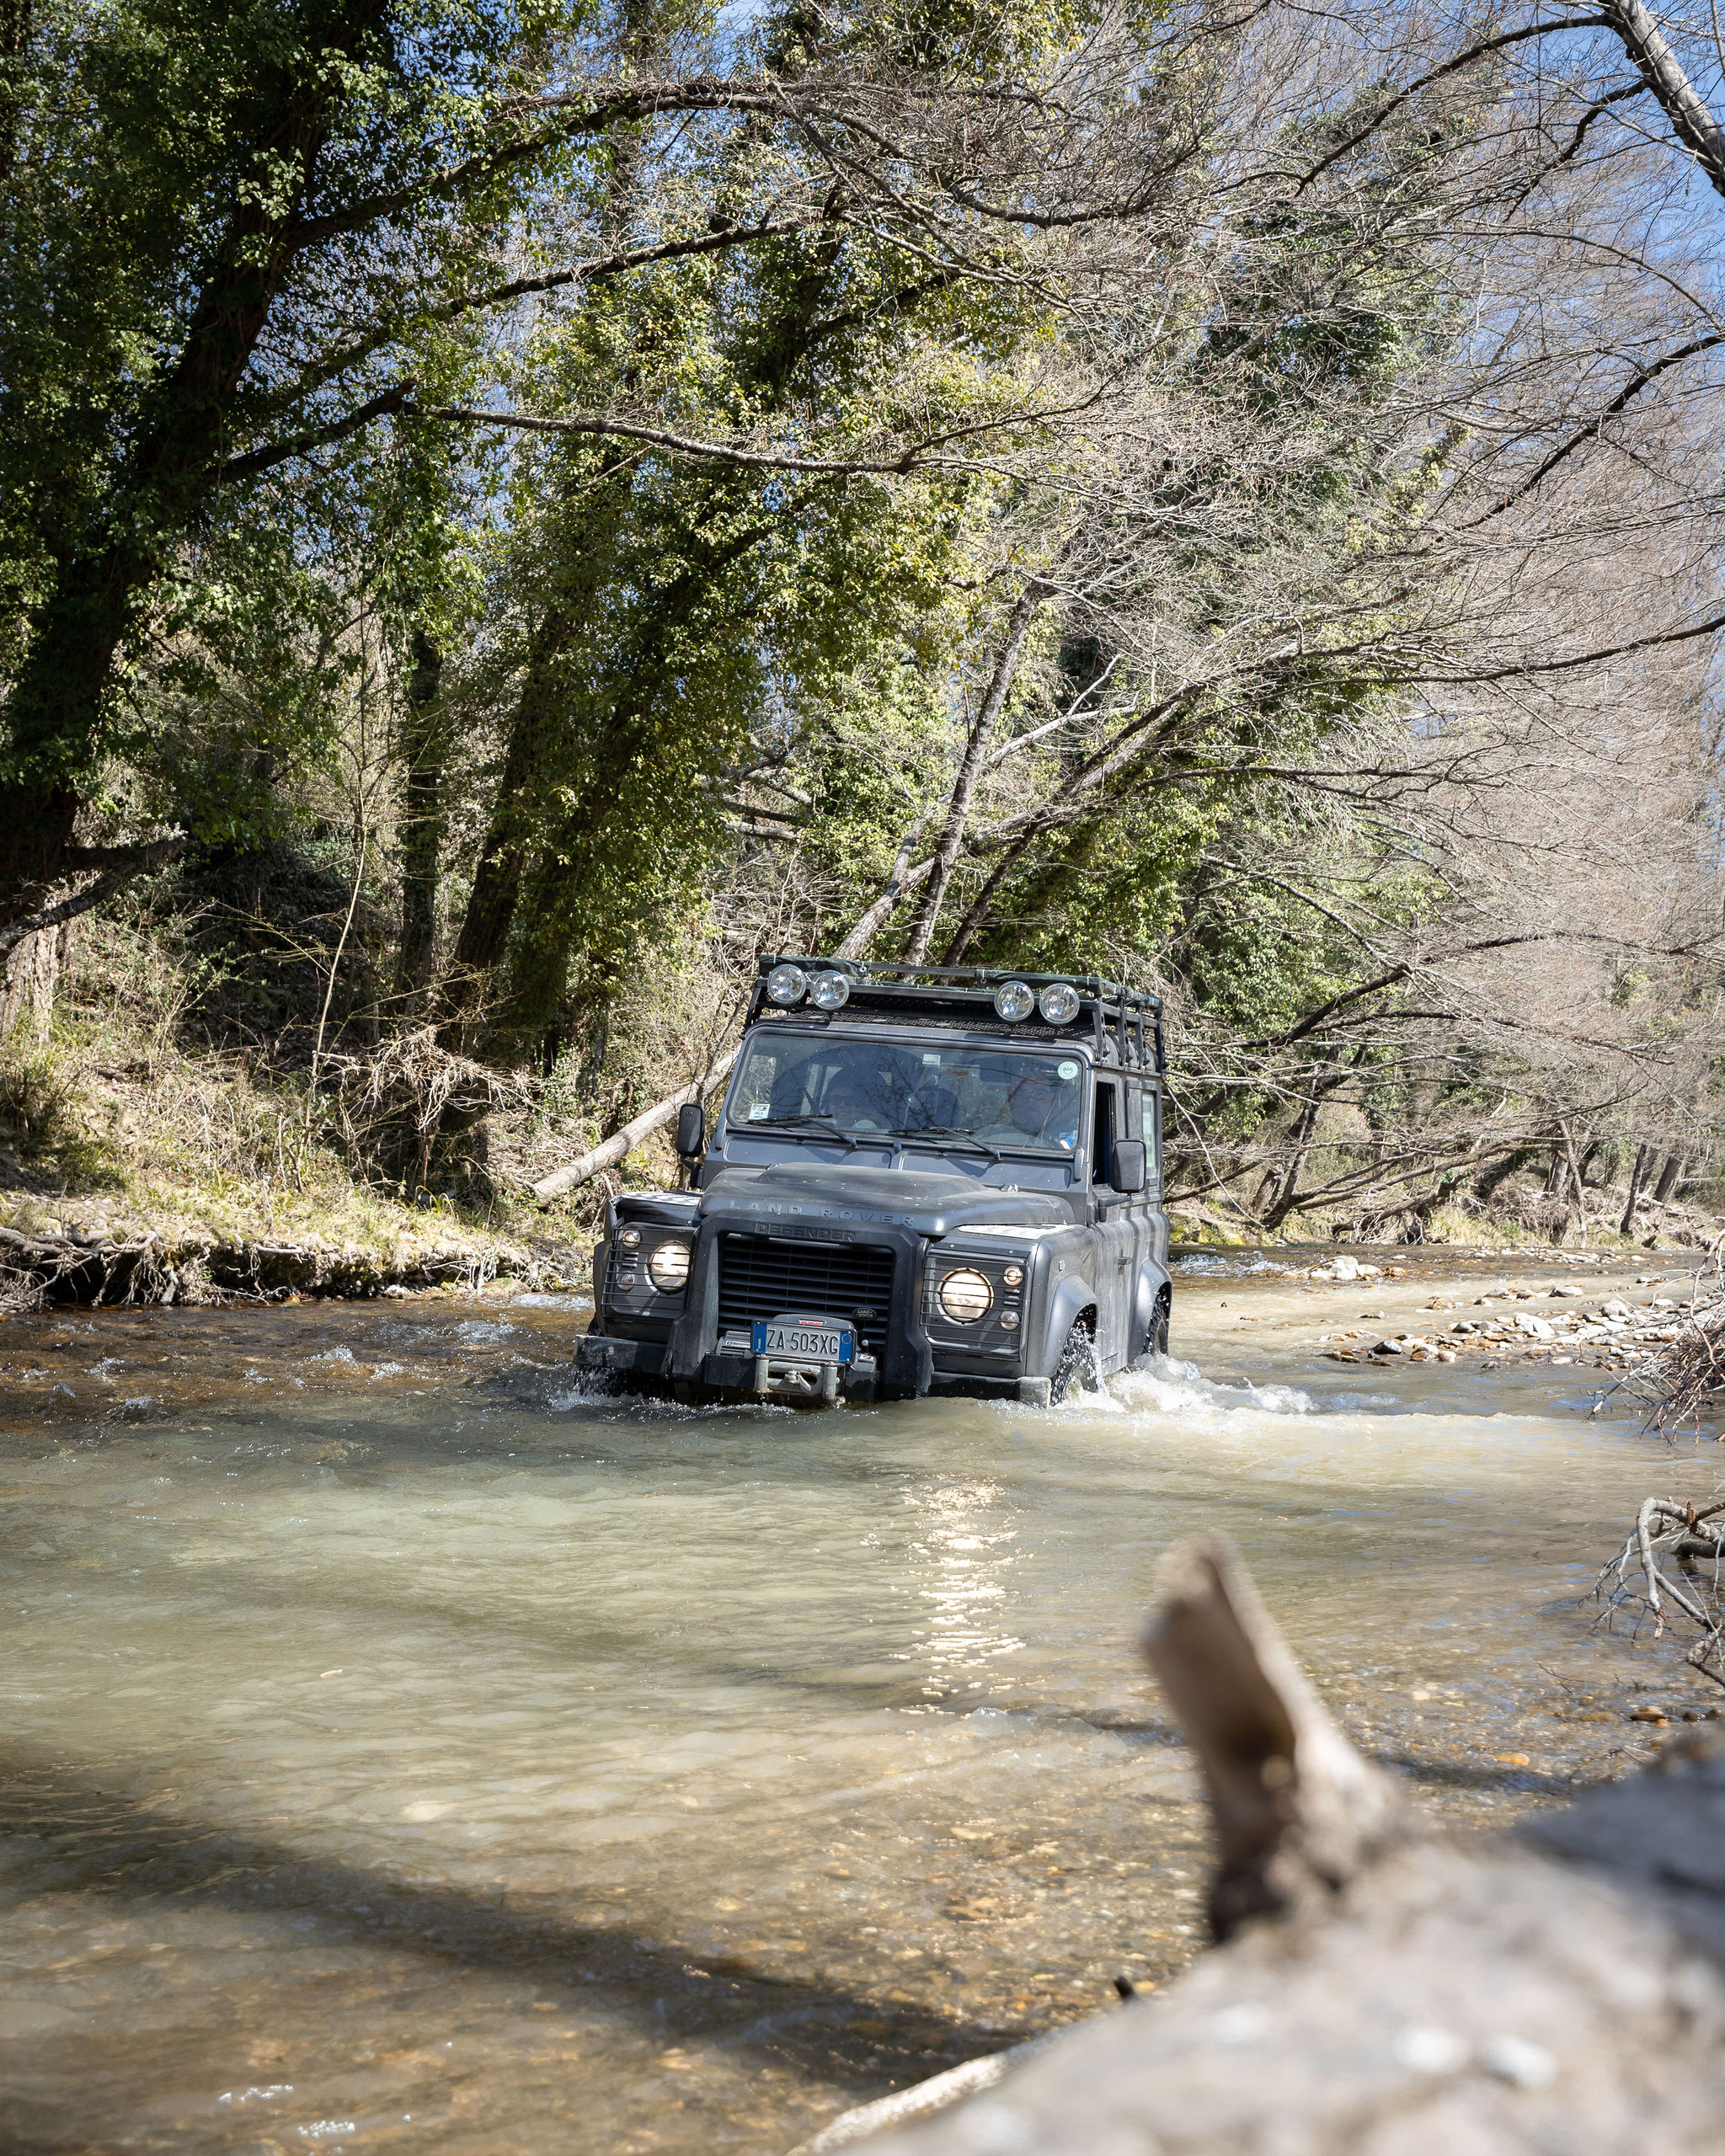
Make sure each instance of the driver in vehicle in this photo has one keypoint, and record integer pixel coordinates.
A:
(848, 1102)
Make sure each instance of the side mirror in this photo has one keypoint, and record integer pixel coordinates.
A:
(1130, 1169)
(692, 1130)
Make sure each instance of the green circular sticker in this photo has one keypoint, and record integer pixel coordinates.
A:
(1067, 1070)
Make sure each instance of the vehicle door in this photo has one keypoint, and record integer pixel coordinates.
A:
(1150, 1222)
(1116, 1229)
(1153, 1207)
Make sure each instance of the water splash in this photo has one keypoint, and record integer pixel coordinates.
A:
(1169, 1387)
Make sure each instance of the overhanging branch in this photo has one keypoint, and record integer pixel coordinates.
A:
(128, 862)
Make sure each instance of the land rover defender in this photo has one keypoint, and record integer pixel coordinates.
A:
(921, 1180)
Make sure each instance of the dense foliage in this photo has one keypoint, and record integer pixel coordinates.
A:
(497, 497)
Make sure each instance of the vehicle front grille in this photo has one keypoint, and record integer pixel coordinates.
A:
(761, 1277)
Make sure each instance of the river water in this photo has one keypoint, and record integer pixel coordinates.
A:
(405, 1749)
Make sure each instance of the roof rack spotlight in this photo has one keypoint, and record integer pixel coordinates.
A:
(1057, 1003)
(828, 991)
(787, 984)
(1014, 1000)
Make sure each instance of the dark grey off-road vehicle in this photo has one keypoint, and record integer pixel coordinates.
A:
(922, 1180)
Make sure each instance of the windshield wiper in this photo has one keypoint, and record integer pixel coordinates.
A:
(824, 1124)
(946, 1130)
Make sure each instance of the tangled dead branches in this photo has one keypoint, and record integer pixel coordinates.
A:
(389, 1108)
(1685, 1385)
(1677, 1551)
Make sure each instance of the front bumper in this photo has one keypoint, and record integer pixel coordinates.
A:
(621, 1358)
(644, 1364)
(731, 1376)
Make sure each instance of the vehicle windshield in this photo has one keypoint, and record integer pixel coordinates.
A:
(855, 1089)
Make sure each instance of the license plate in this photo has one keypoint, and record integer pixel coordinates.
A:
(809, 1340)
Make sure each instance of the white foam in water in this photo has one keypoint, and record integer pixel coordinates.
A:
(596, 1392)
(1168, 1387)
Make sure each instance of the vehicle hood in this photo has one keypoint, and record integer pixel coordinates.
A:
(788, 1193)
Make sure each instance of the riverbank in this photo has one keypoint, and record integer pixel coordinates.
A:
(177, 1178)
(184, 1180)
(1663, 1226)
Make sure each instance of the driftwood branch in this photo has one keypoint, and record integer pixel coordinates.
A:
(1298, 1812)
(1670, 1568)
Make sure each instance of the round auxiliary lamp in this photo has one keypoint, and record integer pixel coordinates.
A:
(1057, 1003)
(788, 985)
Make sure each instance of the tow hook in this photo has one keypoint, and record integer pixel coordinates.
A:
(810, 1381)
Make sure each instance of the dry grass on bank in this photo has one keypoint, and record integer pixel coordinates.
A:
(115, 1124)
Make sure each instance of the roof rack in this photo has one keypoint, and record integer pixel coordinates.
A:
(1125, 1023)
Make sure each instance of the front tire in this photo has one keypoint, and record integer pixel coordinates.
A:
(1076, 1371)
(1159, 1327)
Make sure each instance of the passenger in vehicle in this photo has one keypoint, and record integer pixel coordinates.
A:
(1039, 1110)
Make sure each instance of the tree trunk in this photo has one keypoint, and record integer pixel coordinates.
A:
(565, 891)
(1580, 1186)
(1668, 1177)
(423, 823)
(59, 703)
(1323, 1085)
(952, 838)
(14, 42)
(1487, 1184)
(1279, 1184)
(508, 838)
(1643, 1155)
(1682, 103)
(32, 976)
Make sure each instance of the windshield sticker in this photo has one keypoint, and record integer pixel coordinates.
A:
(1067, 1070)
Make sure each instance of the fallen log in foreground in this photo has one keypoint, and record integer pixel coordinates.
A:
(1381, 1992)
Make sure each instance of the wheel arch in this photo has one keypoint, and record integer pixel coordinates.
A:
(1072, 1303)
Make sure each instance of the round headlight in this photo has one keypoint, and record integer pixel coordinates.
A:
(965, 1296)
(1013, 1000)
(787, 984)
(828, 991)
(668, 1268)
(1058, 1003)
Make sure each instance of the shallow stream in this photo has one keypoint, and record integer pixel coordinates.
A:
(406, 1749)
